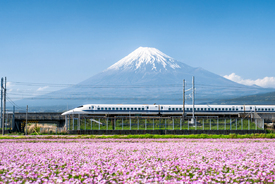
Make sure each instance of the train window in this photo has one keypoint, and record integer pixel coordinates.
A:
(241, 108)
(230, 109)
(143, 108)
(139, 109)
(113, 108)
(116, 108)
(180, 109)
(128, 108)
(98, 108)
(206, 109)
(272, 109)
(259, 109)
(226, 109)
(92, 107)
(147, 107)
(135, 108)
(262, 109)
(202, 109)
(216, 109)
(268, 109)
(80, 106)
(223, 109)
(250, 107)
(219, 109)
(177, 109)
(237, 109)
(173, 109)
(211, 109)
(109, 108)
(89, 107)
(131, 108)
(169, 109)
(265, 109)
(161, 107)
(121, 108)
(106, 108)
(233, 109)
(102, 108)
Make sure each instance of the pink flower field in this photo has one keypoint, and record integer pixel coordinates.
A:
(137, 161)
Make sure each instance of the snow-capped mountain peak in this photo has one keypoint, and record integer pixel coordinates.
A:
(145, 57)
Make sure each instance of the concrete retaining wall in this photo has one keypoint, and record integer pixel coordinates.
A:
(163, 132)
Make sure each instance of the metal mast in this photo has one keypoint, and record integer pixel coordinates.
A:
(26, 125)
(193, 98)
(183, 100)
(5, 96)
(2, 122)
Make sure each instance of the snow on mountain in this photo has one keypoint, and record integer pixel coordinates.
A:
(145, 56)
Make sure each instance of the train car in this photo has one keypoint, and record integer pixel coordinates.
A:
(144, 109)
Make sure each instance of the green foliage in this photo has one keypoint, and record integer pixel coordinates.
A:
(142, 136)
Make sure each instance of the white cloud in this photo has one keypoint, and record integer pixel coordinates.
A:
(42, 88)
(267, 82)
(9, 86)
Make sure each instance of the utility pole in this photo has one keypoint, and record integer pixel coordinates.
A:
(2, 122)
(13, 121)
(193, 98)
(26, 128)
(5, 96)
(183, 100)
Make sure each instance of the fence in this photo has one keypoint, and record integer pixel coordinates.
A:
(163, 123)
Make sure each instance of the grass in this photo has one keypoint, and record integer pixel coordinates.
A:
(157, 124)
(143, 136)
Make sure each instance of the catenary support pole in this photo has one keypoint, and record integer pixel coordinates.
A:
(193, 99)
(26, 125)
(13, 122)
(5, 97)
(2, 122)
(183, 102)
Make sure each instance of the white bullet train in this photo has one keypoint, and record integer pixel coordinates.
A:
(124, 109)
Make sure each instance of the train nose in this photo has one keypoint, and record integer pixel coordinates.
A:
(66, 113)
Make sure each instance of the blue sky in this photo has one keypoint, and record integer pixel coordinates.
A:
(66, 41)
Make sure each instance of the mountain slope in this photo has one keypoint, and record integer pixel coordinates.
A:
(147, 76)
(257, 99)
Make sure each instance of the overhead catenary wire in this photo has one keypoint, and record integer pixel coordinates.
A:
(173, 90)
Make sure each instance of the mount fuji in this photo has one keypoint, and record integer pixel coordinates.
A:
(147, 76)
